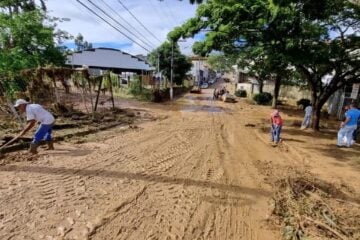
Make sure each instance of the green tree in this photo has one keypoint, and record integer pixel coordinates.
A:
(325, 47)
(25, 41)
(17, 6)
(293, 35)
(221, 62)
(236, 27)
(81, 44)
(182, 64)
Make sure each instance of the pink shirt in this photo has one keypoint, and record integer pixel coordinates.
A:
(276, 119)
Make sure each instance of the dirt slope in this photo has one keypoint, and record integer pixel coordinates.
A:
(199, 174)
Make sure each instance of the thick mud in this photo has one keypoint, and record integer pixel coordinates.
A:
(199, 173)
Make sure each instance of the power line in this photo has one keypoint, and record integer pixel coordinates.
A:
(172, 15)
(104, 12)
(90, 17)
(122, 4)
(118, 30)
(138, 32)
(157, 10)
(165, 12)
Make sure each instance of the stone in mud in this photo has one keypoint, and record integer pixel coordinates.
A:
(109, 119)
(78, 213)
(70, 220)
(133, 126)
(130, 114)
(61, 231)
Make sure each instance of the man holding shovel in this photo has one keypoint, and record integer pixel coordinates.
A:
(36, 113)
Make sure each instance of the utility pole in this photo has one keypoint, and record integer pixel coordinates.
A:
(158, 69)
(158, 63)
(172, 71)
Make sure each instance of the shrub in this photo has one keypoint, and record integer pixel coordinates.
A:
(241, 93)
(303, 103)
(135, 87)
(263, 98)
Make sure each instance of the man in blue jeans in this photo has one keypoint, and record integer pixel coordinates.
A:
(36, 113)
(348, 127)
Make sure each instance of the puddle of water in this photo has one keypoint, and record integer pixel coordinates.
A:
(202, 108)
(191, 104)
(199, 98)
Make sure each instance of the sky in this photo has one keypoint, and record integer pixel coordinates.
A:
(159, 17)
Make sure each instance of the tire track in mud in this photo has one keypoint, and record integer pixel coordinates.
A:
(157, 164)
(168, 181)
(214, 214)
(201, 222)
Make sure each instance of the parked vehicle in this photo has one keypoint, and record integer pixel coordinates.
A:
(205, 85)
(227, 97)
(195, 89)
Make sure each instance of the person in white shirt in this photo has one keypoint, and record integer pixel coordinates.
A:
(307, 118)
(36, 113)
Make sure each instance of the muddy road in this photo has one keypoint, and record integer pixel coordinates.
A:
(198, 174)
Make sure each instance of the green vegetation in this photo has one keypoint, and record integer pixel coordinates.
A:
(80, 43)
(263, 98)
(281, 40)
(241, 93)
(221, 62)
(27, 40)
(182, 64)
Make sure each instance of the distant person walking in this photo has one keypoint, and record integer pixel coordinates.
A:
(276, 126)
(307, 118)
(348, 126)
(36, 113)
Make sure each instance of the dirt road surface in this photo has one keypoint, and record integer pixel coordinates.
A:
(198, 174)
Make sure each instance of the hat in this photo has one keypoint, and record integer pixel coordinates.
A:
(20, 102)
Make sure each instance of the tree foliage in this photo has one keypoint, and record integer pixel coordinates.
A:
(312, 39)
(25, 40)
(81, 44)
(182, 64)
(221, 62)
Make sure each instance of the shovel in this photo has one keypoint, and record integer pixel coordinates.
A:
(8, 143)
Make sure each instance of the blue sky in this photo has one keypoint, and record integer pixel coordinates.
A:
(159, 17)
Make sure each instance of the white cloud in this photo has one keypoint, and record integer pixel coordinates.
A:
(159, 17)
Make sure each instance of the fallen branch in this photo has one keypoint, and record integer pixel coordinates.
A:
(348, 202)
(326, 227)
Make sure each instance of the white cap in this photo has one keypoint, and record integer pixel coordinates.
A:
(20, 102)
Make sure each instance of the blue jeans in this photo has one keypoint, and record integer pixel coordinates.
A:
(307, 120)
(347, 132)
(43, 133)
(275, 133)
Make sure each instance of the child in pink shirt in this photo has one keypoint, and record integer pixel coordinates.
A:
(276, 125)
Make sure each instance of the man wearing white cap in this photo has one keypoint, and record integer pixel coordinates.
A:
(36, 113)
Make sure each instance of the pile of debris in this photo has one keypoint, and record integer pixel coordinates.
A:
(309, 208)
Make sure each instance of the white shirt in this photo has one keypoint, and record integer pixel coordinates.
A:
(308, 110)
(38, 113)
